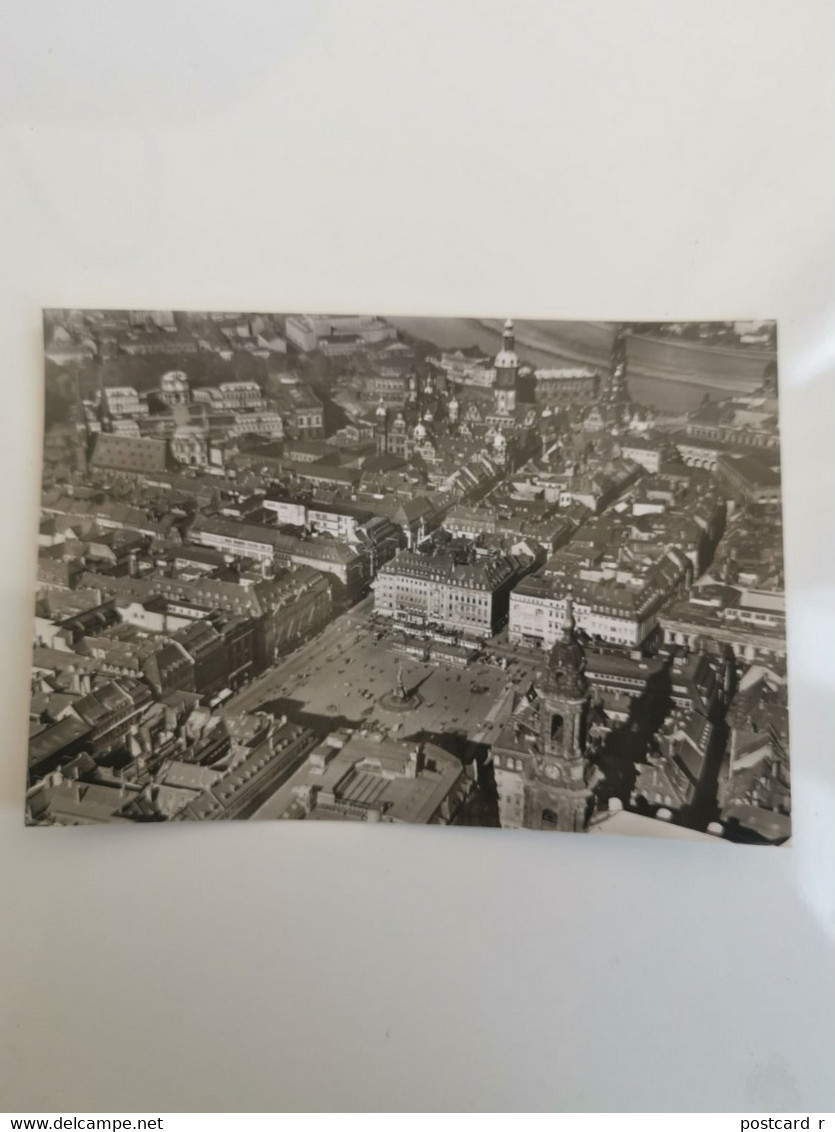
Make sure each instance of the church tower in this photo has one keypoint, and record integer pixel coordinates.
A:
(105, 418)
(617, 393)
(557, 796)
(507, 369)
(452, 409)
(82, 430)
(381, 427)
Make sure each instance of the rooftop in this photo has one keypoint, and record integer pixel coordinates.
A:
(485, 574)
(371, 776)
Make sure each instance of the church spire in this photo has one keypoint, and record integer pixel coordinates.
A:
(506, 369)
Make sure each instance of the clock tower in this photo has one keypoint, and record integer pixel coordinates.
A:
(507, 369)
(557, 795)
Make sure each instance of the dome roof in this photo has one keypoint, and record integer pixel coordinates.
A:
(567, 660)
(566, 655)
(507, 359)
(175, 378)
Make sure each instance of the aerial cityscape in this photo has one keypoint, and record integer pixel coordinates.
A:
(448, 571)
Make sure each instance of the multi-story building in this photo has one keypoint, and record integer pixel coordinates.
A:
(138, 343)
(384, 385)
(309, 332)
(338, 520)
(190, 446)
(673, 777)
(648, 451)
(267, 753)
(301, 331)
(152, 320)
(471, 521)
(286, 608)
(208, 651)
(566, 385)
(124, 401)
(174, 388)
(169, 668)
(697, 453)
(470, 598)
(301, 410)
(241, 395)
(356, 526)
(537, 611)
(110, 710)
(415, 516)
(754, 478)
(368, 778)
(756, 796)
(288, 510)
(257, 422)
(231, 395)
(129, 454)
(616, 612)
(466, 368)
(748, 422)
(327, 476)
(241, 540)
(751, 622)
(307, 451)
(353, 568)
(240, 638)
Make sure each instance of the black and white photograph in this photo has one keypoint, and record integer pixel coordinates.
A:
(417, 429)
(445, 571)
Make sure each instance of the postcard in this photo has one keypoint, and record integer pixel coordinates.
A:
(507, 573)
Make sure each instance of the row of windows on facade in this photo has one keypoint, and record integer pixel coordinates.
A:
(392, 577)
(454, 596)
(388, 584)
(594, 612)
(748, 615)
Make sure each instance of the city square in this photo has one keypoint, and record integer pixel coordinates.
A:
(447, 571)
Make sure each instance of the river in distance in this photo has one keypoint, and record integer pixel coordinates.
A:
(668, 376)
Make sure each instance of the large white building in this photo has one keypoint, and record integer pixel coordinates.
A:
(308, 331)
(615, 612)
(189, 445)
(644, 451)
(257, 423)
(288, 512)
(174, 388)
(124, 401)
(470, 599)
(566, 385)
(232, 395)
(466, 369)
(752, 623)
